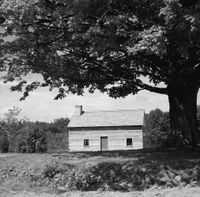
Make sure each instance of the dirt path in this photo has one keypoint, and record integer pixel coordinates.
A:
(175, 192)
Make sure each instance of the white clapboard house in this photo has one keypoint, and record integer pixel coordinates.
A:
(106, 130)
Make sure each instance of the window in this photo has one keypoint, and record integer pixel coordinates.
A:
(86, 142)
(129, 141)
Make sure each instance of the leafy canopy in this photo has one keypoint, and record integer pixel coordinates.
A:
(110, 45)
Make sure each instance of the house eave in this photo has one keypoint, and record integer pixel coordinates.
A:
(121, 127)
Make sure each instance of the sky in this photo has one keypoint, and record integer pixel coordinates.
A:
(41, 106)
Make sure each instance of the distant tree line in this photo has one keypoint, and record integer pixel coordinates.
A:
(31, 137)
(35, 137)
(156, 128)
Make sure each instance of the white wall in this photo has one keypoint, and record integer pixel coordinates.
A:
(116, 139)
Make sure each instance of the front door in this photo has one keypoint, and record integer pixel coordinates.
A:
(104, 143)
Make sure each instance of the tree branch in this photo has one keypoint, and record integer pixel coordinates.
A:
(148, 87)
(152, 88)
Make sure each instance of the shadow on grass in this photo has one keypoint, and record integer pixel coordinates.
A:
(169, 168)
(143, 154)
(141, 169)
(175, 159)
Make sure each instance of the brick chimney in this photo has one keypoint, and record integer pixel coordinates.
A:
(78, 110)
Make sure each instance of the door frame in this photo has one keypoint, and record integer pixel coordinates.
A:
(101, 147)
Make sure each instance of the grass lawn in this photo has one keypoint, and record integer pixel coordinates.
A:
(174, 192)
(122, 171)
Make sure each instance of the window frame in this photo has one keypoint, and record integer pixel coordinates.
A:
(86, 143)
(127, 141)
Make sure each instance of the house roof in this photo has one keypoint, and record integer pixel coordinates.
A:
(108, 118)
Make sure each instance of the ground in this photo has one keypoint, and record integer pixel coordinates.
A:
(144, 173)
(175, 192)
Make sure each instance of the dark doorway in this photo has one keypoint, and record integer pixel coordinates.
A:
(104, 143)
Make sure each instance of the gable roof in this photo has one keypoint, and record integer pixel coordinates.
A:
(108, 118)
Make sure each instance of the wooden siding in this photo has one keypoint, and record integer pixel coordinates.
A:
(116, 139)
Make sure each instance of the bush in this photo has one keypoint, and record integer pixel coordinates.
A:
(50, 171)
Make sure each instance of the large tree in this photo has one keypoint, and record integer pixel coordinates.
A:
(110, 45)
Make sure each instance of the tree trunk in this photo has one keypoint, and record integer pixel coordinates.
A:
(183, 114)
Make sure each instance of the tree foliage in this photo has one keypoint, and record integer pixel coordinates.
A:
(157, 129)
(31, 139)
(106, 45)
(22, 135)
(11, 116)
(10, 125)
(4, 143)
(61, 124)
